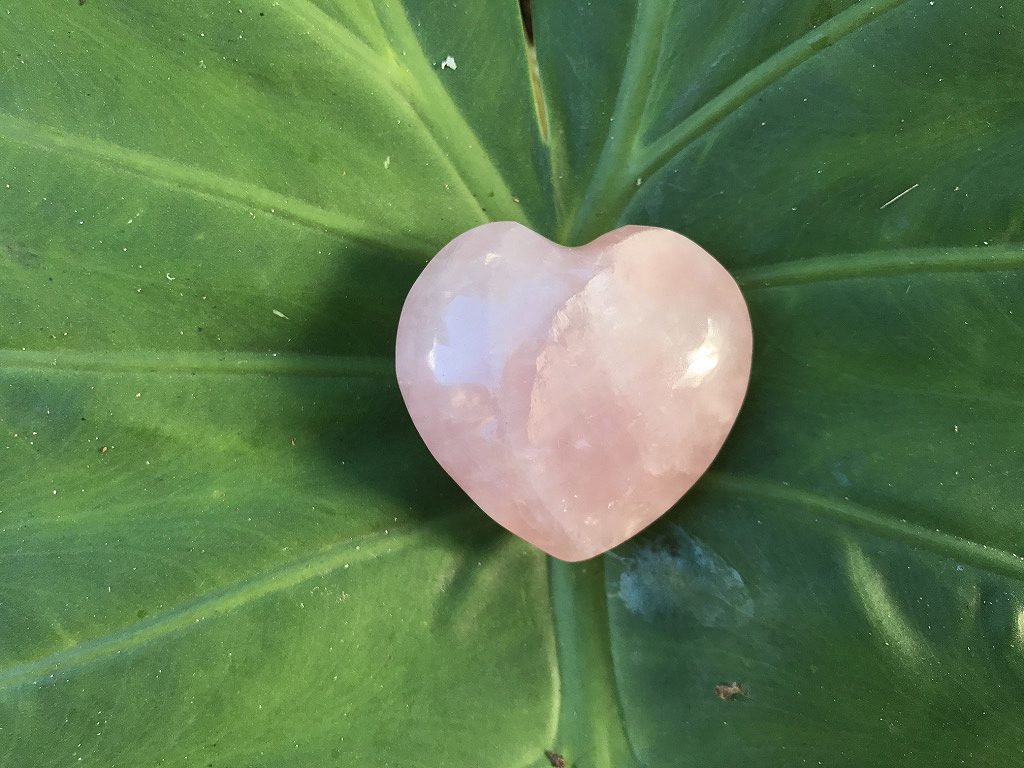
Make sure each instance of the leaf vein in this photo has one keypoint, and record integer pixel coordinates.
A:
(428, 89)
(770, 71)
(858, 515)
(188, 363)
(212, 605)
(198, 182)
(873, 264)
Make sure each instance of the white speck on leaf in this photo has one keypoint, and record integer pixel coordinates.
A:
(449, 63)
(387, 162)
(279, 313)
(901, 194)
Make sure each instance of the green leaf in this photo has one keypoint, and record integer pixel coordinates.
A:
(222, 542)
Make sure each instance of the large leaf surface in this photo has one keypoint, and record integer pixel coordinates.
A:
(221, 541)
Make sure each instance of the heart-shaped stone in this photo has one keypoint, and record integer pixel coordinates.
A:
(574, 393)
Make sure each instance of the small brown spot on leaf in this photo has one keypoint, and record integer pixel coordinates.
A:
(556, 760)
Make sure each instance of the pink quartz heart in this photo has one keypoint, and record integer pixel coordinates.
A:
(574, 393)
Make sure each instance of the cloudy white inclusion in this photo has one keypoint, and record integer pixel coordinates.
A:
(463, 353)
(701, 362)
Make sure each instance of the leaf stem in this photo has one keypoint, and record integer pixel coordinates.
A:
(591, 729)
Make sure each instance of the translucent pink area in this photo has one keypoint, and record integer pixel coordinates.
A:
(574, 393)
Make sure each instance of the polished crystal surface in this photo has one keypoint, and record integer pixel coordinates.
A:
(574, 393)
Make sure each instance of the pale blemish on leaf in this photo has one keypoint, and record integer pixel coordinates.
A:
(887, 617)
(681, 576)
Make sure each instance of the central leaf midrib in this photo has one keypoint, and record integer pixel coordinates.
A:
(591, 724)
